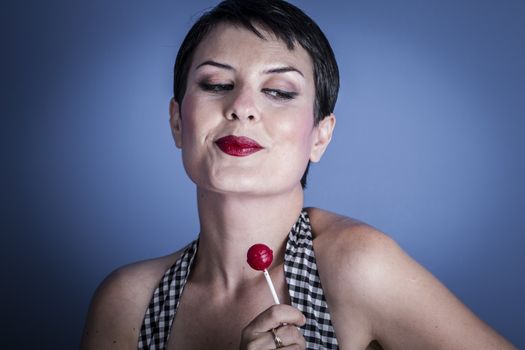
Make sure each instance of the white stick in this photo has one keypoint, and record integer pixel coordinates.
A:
(270, 284)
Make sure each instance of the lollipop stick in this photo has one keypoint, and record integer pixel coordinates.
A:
(270, 284)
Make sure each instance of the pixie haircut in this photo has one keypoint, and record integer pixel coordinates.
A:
(289, 24)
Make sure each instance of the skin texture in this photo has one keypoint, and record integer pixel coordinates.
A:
(377, 295)
(254, 109)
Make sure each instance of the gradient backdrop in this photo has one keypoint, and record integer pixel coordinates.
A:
(428, 148)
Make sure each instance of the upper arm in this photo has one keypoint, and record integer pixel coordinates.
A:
(113, 314)
(412, 309)
(393, 298)
(119, 304)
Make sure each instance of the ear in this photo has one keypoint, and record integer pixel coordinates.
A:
(322, 134)
(176, 122)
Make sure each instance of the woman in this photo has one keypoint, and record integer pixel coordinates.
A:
(254, 93)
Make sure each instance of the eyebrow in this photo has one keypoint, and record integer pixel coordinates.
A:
(215, 64)
(268, 71)
(283, 70)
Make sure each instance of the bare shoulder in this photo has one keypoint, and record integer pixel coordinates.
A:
(375, 291)
(119, 303)
(350, 247)
(331, 229)
(357, 262)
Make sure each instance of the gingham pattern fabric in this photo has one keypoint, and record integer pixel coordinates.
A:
(304, 287)
(161, 310)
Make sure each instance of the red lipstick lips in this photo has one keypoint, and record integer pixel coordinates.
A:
(238, 146)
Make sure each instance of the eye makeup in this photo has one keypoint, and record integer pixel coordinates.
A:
(212, 87)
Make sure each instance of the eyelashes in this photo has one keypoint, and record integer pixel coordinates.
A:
(276, 94)
(280, 94)
(215, 87)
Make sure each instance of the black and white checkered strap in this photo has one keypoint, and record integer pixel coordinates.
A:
(301, 274)
(304, 286)
(163, 305)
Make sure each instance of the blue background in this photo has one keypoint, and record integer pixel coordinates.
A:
(428, 148)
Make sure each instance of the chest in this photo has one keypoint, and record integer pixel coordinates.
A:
(213, 329)
(207, 319)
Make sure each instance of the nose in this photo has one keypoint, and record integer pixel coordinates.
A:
(242, 106)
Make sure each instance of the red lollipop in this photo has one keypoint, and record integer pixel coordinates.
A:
(259, 258)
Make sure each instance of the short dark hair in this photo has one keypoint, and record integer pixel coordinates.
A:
(289, 24)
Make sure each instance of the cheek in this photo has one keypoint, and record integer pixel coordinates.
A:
(193, 138)
(296, 131)
(188, 111)
(193, 123)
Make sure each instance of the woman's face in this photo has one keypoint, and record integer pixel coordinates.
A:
(243, 86)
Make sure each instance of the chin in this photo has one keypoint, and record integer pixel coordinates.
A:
(254, 187)
(238, 185)
(236, 180)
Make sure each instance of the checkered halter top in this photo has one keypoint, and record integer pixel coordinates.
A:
(301, 274)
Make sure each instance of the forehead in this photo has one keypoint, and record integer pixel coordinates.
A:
(239, 46)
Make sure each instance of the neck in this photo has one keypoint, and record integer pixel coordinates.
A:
(231, 224)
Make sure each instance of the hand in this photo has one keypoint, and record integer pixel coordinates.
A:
(284, 319)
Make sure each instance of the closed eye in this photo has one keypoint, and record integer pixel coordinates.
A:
(215, 87)
(280, 94)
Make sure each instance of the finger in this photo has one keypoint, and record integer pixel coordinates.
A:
(275, 316)
(290, 335)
